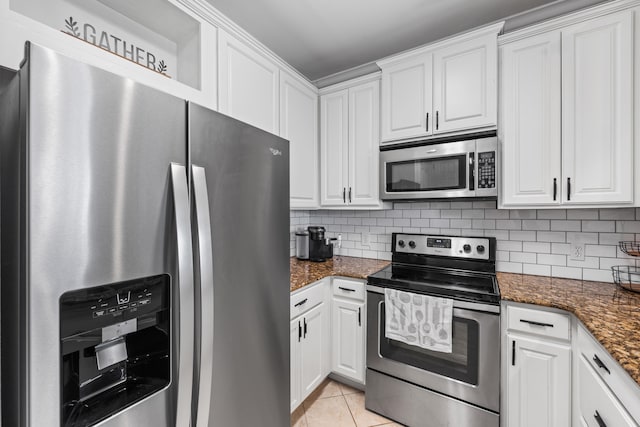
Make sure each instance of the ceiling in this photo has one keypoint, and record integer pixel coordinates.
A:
(324, 37)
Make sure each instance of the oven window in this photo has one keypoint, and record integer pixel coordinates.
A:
(461, 364)
(441, 173)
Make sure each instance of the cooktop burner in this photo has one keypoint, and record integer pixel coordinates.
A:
(461, 285)
(453, 267)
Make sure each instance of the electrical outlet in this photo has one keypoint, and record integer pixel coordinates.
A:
(366, 239)
(576, 251)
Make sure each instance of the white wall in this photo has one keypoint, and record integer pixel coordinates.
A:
(529, 241)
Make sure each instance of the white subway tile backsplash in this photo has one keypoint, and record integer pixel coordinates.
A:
(509, 267)
(552, 259)
(566, 272)
(524, 257)
(536, 224)
(552, 214)
(619, 213)
(528, 241)
(551, 236)
(565, 225)
(582, 214)
(509, 224)
(599, 226)
(537, 247)
(536, 269)
(528, 236)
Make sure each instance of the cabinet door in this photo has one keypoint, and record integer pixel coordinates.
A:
(247, 84)
(539, 383)
(530, 121)
(295, 339)
(406, 99)
(299, 124)
(597, 101)
(465, 85)
(364, 144)
(334, 146)
(312, 352)
(348, 339)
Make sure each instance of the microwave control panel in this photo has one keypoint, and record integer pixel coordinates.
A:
(487, 169)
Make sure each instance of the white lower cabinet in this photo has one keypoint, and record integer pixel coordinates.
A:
(537, 368)
(348, 329)
(310, 345)
(539, 383)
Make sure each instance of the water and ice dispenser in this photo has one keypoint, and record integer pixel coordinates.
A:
(115, 347)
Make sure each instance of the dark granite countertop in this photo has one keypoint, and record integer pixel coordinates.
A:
(306, 272)
(611, 314)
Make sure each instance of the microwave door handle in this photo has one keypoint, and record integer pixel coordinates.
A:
(184, 278)
(472, 170)
(204, 251)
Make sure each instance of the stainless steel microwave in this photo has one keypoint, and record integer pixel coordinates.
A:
(447, 170)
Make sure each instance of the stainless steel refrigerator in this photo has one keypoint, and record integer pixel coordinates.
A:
(145, 256)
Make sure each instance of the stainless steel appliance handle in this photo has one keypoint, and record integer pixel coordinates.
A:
(205, 286)
(185, 308)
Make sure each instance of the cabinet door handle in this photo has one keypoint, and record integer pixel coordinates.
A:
(349, 194)
(513, 353)
(555, 189)
(299, 331)
(599, 420)
(305, 327)
(300, 303)
(531, 322)
(427, 121)
(346, 289)
(344, 195)
(601, 364)
(568, 189)
(359, 316)
(437, 120)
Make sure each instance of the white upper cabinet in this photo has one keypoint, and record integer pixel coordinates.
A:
(597, 110)
(530, 126)
(299, 124)
(406, 98)
(465, 85)
(447, 87)
(567, 114)
(334, 148)
(349, 145)
(364, 144)
(247, 84)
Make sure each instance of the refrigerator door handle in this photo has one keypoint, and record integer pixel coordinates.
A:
(204, 255)
(185, 337)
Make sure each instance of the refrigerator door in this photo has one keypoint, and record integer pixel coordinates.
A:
(247, 176)
(92, 199)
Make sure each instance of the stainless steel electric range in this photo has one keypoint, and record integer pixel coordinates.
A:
(420, 387)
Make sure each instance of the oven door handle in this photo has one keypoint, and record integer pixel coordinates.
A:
(463, 305)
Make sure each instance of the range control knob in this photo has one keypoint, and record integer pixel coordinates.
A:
(466, 248)
(412, 244)
(480, 249)
(401, 243)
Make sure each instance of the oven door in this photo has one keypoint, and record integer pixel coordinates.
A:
(429, 171)
(471, 372)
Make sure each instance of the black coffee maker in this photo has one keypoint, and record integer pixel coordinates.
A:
(320, 248)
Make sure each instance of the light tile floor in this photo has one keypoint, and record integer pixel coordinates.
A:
(334, 404)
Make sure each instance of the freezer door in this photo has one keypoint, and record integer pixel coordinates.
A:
(92, 199)
(247, 176)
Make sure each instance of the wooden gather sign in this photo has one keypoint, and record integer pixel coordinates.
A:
(116, 45)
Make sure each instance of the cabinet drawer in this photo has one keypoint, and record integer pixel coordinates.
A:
(348, 288)
(539, 322)
(306, 299)
(598, 406)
